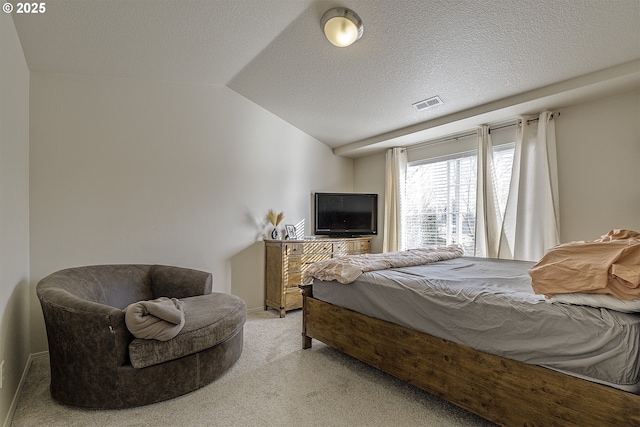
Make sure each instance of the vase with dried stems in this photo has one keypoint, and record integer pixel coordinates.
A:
(275, 220)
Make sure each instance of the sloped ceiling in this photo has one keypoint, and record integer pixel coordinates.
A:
(479, 57)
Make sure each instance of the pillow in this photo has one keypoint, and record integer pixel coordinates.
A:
(598, 301)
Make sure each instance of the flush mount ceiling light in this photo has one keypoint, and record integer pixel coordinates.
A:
(341, 26)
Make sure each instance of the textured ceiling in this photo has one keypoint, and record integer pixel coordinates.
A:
(470, 53)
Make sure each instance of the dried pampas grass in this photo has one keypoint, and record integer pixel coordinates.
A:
(273, 218)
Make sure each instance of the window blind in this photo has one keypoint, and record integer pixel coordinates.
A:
(439, 203)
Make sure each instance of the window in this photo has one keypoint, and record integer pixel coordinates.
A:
(503, 164)
(439, 205)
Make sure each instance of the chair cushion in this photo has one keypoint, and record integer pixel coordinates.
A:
(209, 320)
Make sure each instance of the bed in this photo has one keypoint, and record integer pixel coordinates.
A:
(557, 378)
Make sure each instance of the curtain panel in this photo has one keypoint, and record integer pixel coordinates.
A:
(488, 228)
(531, 219)
(395, 169)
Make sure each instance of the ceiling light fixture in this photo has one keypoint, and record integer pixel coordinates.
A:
(342, 26)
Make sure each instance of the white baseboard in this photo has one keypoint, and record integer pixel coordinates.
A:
(25, 372)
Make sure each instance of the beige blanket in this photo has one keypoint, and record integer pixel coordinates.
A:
(347, 269)
(160, 319)
(609, 265)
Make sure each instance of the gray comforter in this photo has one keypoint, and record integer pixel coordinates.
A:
(489, 305)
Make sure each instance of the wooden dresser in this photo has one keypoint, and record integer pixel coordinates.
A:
(286, 260)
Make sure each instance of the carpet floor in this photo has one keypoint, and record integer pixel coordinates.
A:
(274, 383)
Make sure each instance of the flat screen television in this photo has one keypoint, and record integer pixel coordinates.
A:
(346, 214)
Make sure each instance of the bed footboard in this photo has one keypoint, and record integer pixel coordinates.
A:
(501, 390)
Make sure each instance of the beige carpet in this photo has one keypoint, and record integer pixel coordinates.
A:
(274, 383)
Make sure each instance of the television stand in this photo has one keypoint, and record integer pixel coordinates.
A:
(286, 260)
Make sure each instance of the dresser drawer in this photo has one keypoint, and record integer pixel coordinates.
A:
(293, 280)
(318, 248)
(294, 249)
(293, 264)
(340, 248)
(309, 248)
(293, 299)
(300, 263)
(350, 247)
(360, 247)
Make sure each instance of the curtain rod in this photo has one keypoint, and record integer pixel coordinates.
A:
(439, 141)
(457, 137)
(551, 117)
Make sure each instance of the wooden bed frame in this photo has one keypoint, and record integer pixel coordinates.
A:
(507, 392)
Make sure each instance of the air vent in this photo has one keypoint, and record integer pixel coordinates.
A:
(428, 103)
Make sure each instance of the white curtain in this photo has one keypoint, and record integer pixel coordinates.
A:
(531, 219)
(488, 215)
(396, 168)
